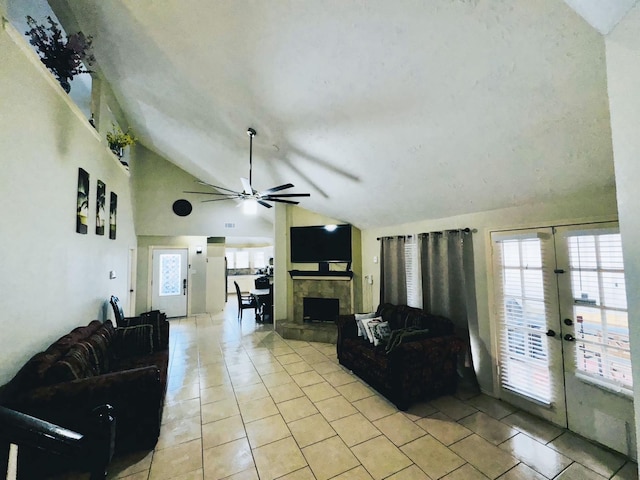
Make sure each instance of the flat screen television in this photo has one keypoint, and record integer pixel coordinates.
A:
(321, 244)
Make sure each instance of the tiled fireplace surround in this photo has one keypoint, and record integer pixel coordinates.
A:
(316, 287)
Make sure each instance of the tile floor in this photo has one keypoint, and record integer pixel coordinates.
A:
(244, 404)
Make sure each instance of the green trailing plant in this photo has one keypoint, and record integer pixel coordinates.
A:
(62, 54)
(118, 139)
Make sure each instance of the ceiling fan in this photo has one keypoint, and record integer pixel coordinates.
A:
(248, 192)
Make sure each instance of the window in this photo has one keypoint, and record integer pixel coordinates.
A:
(600, 308)
(242, 259)
(412, 270)
(259, 259)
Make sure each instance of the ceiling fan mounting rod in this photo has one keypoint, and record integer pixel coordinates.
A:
(252, 133)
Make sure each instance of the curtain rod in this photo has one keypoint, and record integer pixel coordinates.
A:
(465, 230)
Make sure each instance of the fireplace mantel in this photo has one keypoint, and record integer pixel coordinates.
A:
(318, 275)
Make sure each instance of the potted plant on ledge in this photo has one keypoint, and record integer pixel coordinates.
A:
(118, 140)
(62, 54)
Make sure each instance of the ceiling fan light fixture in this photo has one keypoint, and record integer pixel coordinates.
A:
(250, 206)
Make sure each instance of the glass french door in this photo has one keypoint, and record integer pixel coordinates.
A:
(563, 343)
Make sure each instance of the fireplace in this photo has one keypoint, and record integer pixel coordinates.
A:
(316, 309)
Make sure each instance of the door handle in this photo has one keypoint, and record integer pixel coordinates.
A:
(551, 333)
(569, 338)
(184, 286)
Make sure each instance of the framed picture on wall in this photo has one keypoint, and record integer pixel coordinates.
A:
(101, 214)
(113, 210)
(82, 208)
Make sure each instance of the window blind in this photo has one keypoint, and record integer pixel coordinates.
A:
(523, 309)
(412, 272)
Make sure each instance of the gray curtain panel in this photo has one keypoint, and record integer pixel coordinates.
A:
(393, 281)
(448, 285)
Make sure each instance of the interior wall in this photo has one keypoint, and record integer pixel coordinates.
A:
(54, 279)
(197, 283)
(623, 78)
(580, 208)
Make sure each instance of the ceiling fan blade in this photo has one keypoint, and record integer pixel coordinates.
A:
(278, 188)
(216, 186)
(281, 201)
(246, 186)
(264, 204)
(282, 195)
(211, 193)
(219, 199)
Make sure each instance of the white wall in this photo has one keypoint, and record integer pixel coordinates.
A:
(623, 78)
(590, 206)
(53, 279)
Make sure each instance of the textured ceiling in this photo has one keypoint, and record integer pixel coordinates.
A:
(386, 112)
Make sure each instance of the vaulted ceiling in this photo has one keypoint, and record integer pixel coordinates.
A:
(386, 112)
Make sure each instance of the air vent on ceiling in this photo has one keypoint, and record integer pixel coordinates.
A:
(229, 225)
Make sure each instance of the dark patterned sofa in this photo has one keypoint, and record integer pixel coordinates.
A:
(419, 368)
(94, 365)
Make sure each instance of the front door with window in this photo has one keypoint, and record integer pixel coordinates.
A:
(564, 341)
(169, 281)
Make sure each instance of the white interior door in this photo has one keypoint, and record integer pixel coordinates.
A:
(169, 281)
(563, 345)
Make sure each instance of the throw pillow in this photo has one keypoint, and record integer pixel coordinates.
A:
(359, 318)
(73, 366)
(381, 333)
(131, 341)
(368, 324)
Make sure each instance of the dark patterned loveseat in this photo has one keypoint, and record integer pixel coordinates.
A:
(94, 365)
(423, 366)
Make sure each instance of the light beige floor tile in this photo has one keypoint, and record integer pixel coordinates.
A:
(299, 367)
(214, 378)
(177, 411)
(432, 457)
(250, 474)
(313, 358)
(176, 460)
(420, 410)
(355, 391)
(183, 393)
(339, 378)
(227, 459)
(326, 367)
(628, 472)
(278, 458)
(282, 393)
(380, 457)
(491, 406)
(399, 429)
(533, 426)
(320, 391)
(302, 474)
(244, 379)
(219, 410)
(289, 358)
(297, 408)
(488, 427)
(575, 471)
(485, 456)
(267, 430)
(307, 378)
(375, 407)
(335, 408)
(250, 393)
(355, 429)
(536, 455)
(194, 475)
(282, 349)
(443, 428)
(266, 368)
(215, 394)
(258, 409)
(278, 378)
(358, 473)
(125, 465)
(452, 407)
(413, 472)
(318, 455)
(179, 431)
(465, 472)
(311, 430)
(522, 472)
(596, 458)
(222, 431)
